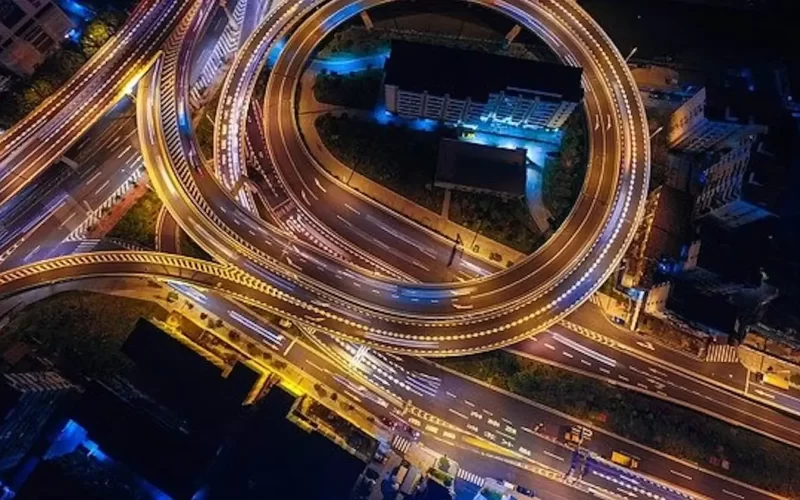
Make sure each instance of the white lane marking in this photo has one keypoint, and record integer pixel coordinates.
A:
(646, 345)
(27, 257)
(575, 346)
(68, 219)
(103, 186)
(316, 181)
(553, 455)
(550, 346)
(605, 370)
(586, 362)
(765, 394)
(352, 209)
(124, 151)
(681, 474)
(450, 394)
(92, 178)
(564, 353)
(469, 403)
(457, 413)
(506, 435)
(736, 495)
(623, 378)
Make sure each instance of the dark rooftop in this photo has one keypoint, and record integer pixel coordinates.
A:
(184, 381)
(147, 438)
(764, 182)
(671, 228)
(698, 306)
(481, 167)
(736, 104)
(269, 457)
(463, 73)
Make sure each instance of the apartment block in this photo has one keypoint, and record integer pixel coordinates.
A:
(713, 118)
(27, 401)
(29, 31)
(462, 87)
(742, 185)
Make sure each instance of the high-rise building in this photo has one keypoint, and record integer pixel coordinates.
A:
(740, 186)
(27, 401)
(29, 31)
(715, 117)
(464, 87)
(662, 238)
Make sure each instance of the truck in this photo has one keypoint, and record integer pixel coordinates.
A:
(775, 380)
(624, 460)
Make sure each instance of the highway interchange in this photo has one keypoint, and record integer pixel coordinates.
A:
(302, 277)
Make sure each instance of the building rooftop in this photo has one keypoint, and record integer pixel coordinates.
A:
(463, 73)
(184, 381)
(269, 456)
(737, 104)
(764, 180)
(481, 167)
(671, 226)
(37, 382)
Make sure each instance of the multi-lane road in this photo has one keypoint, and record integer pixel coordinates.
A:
(433, 319)
(42, 137)
(352, 287)
(383, 383)
(38, 219)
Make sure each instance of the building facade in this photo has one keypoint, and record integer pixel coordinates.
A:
(712, 119)
(29, 31)
(741, 186)
(27, 400)
(471, 88)
(661, 239)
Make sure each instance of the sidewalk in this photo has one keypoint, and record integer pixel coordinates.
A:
(308, 111)
(118, 211)
(533, 197)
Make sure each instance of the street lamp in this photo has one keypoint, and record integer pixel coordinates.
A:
(656, 132)
(633, 51)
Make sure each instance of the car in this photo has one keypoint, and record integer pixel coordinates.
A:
(388, 422)
(526, 491)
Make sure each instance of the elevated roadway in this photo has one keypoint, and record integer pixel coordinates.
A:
(427, 319)
(45, 134)
(473, 407)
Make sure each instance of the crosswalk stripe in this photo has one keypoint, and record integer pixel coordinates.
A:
(722, 354)
(470, 477)
(400, 444)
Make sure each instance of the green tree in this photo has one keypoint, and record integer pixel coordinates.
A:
(563, 177)
(97, 33)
